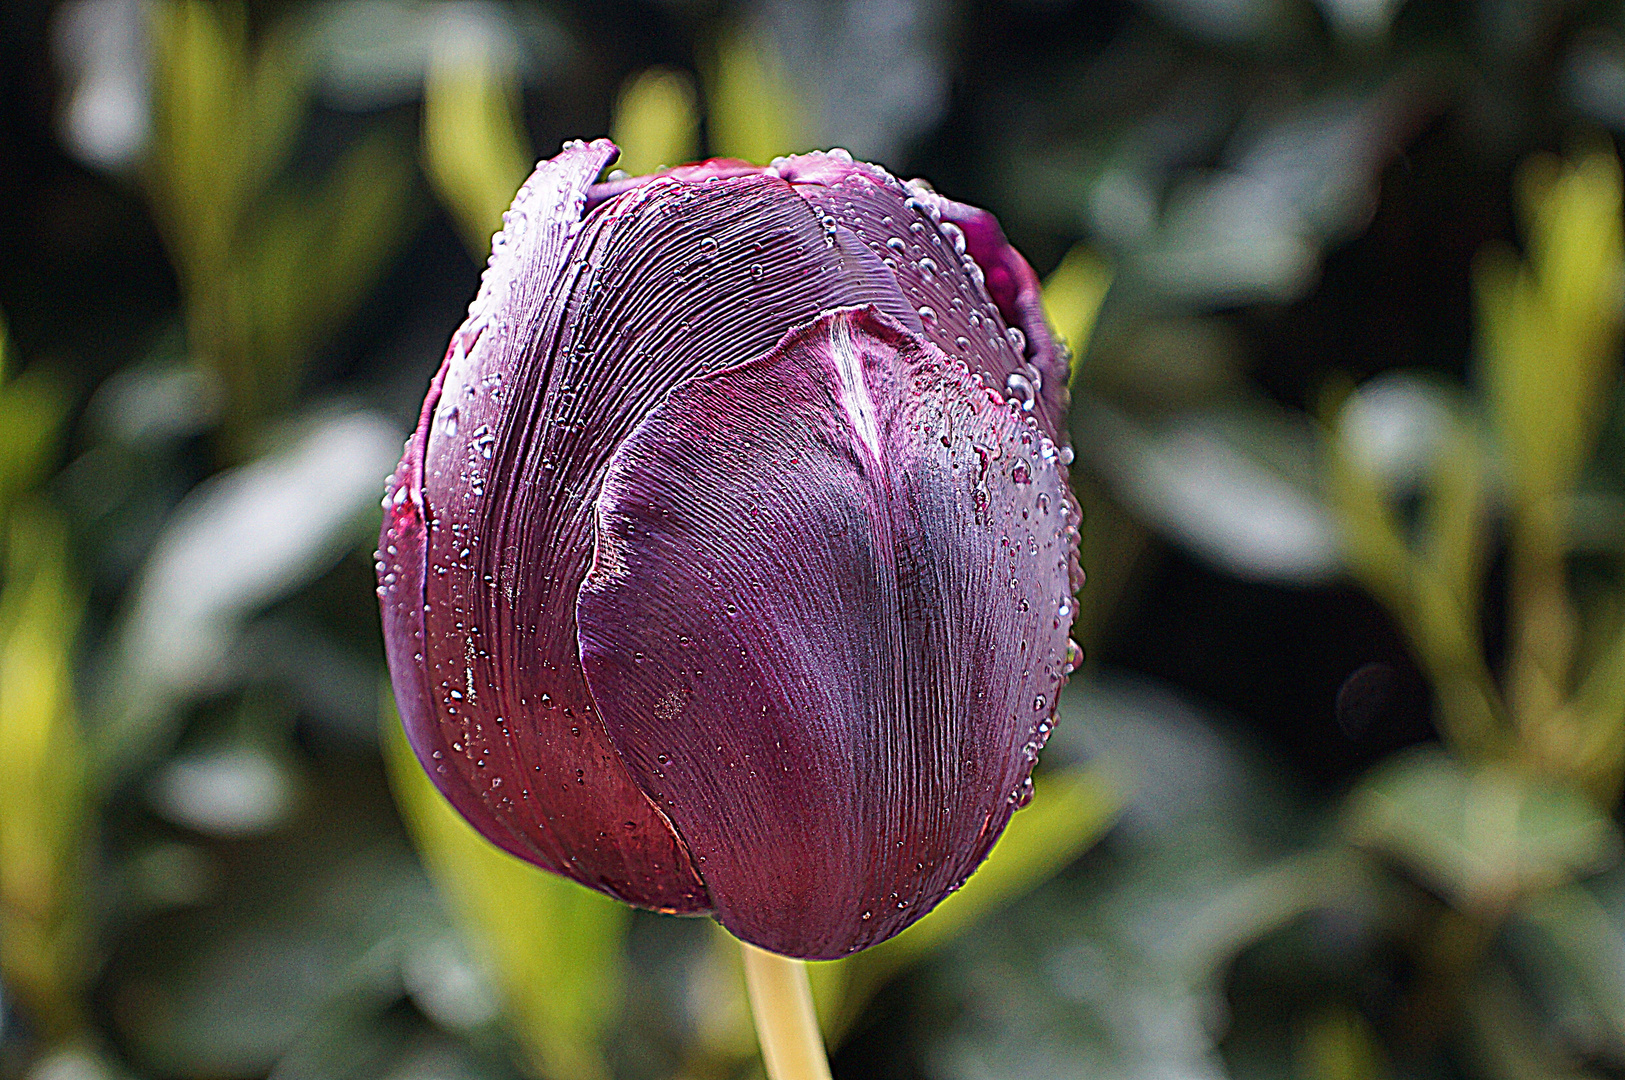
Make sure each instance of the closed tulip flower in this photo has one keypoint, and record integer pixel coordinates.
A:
(730, 567)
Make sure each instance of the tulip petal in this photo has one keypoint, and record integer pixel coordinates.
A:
(952, 262)
(404, 541)
(599, 194)
(825, 625)
(584, 324)
(1019, 296)
(625, 847)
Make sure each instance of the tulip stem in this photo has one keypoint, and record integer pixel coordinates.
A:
(786, 1025)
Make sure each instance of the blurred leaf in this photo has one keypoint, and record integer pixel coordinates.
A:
(1360, 21)
(43, 805)
(1248, 23)
(1502, 1041)
(374, 54)
(475, 148)
(656, 122)
(1115, 969)
(1292, 184)
(200, 63)
(1071, 809)
(1483, 837)
(1571, 954)
(32, 409)
(553, 948)
(1233, 488)
(313, 927)
(1073, 294)
(1550, 328)
(244, 538)
(752, 113)
(226, 115)
(1394, 439)
(1340, 1045)
(314, 257)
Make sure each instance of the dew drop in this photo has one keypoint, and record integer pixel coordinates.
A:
(1021, 388)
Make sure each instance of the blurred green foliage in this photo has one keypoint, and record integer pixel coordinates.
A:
(269, 265)
(43, 810)
(554, 948)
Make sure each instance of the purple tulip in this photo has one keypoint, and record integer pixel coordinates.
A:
(730, 568)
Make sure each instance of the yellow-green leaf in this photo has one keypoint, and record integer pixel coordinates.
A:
(553, 949)
(42, 785)
(475, 149)
(1073, 294)
(656, 121)
(751, 108)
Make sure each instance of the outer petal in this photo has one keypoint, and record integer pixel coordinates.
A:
(590, 325)
(1020, 299)
(553, 195)
(951, 261)
(825, 625)
(599, 194)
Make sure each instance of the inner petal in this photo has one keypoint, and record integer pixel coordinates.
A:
(825, 624)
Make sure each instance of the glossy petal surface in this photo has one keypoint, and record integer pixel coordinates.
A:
(953, 264)
(825, 624)
(553, 195)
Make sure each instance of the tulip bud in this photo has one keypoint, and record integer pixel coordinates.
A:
(730, 568)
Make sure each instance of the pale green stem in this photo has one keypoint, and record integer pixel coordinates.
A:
(786, 1025)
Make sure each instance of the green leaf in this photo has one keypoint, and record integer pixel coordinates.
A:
(752, 111)
(1483, 836)
(656, 121)
(313, 258)
(1502, 1040)
(43, 805)
(32, 408)
(244, 539)
(554, 949)
(1570, 949)
(1549, 329)
(1073, 294)
(476, 152)
(1227, 484)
